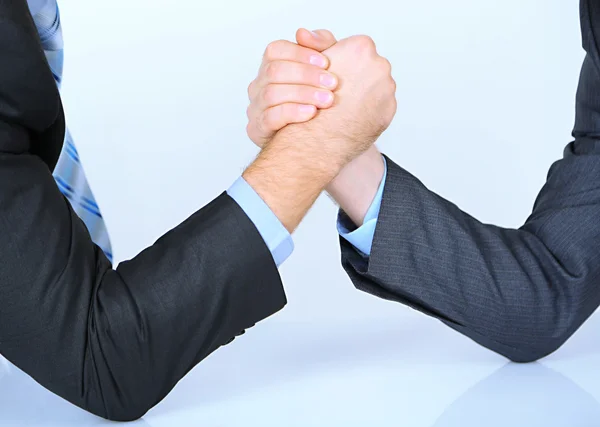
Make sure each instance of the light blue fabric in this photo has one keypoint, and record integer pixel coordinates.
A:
(362, 237)
(69, 174)
(278, 239)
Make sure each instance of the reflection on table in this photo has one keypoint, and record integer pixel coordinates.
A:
(523, 395)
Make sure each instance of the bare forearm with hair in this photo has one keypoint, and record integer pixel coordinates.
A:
(356, 185)
(291, 172)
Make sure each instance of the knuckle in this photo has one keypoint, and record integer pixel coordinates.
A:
(253, 132)
(364, 42)
(268, 121)
(273, 50)
(269, 95)
(328, 34)
(258, 126)
(386, 65)
(383, 66)
(272, 70)
(250, 89)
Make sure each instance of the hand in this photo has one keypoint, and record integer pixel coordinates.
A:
(302, 158)
(364, 106)
(291, 85)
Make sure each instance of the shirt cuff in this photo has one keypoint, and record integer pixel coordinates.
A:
(362, 237)
(277, 238)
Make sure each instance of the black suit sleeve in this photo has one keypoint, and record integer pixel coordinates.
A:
(113, 342)
(520, 292)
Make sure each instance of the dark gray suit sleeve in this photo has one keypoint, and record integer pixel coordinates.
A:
(113, 342)
(520, 292)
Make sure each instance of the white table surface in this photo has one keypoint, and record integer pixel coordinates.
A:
(374, 373)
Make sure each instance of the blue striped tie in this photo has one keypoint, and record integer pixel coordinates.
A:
(68, 173)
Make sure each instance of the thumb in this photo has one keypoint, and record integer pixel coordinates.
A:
(318, 40)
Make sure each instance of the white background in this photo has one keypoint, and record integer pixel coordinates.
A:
(155, 95)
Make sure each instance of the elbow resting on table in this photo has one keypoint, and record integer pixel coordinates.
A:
(116, 403)
(120, 414)
(539, 337)
(525, 354)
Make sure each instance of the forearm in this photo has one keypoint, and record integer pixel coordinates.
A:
(193, 291)
(355, 187)
(521, 292)
(290, 173)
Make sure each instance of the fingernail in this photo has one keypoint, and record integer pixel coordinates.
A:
(315, 35)
(328, 80)
(324, 97)
(306, 110)
(318, 60)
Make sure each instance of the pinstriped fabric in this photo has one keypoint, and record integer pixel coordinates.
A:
(68, 173)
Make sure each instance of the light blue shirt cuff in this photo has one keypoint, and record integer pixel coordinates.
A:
(362, 238)
(278, 239)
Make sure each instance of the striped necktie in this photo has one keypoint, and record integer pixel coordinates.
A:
(69, 174)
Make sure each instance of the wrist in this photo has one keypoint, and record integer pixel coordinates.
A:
(309, 151)
(356, 186)
(289, 175)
